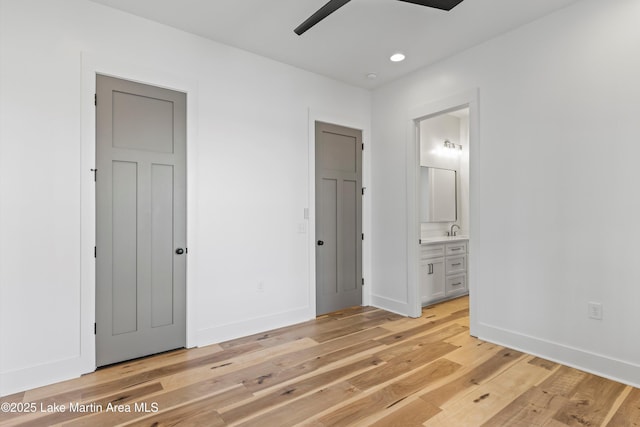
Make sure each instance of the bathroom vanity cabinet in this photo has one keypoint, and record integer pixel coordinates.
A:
(443, 269)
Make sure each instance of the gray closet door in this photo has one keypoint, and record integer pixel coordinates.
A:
(338, 217)
(140, 219)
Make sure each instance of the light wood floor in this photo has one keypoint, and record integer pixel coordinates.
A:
(361, 366)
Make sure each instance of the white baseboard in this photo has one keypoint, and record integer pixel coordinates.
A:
(41, 375)
(253, 326)
(597, 364)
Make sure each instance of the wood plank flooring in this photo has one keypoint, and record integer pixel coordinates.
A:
(361, 366)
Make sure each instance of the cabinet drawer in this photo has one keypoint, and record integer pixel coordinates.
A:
(431, 251)
(456, 284)
(456, 264)
(458, 248)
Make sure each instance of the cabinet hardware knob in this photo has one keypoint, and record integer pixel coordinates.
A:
(320, 242)
(179, 251)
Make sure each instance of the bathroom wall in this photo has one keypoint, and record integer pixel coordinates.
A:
(433, 132)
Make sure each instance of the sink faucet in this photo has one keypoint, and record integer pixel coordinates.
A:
(453, 231)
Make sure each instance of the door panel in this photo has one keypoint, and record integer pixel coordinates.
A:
(140, 220)
(142, 122)
(124, 264)
(328, 226)
(338, 152)
(162, 184)
(338, 217)
(350, 237)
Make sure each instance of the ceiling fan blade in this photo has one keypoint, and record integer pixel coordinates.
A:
(438, 4)
(322, 13)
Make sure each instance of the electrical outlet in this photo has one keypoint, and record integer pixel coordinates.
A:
(595, 310)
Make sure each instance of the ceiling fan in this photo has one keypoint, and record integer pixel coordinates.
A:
(333, 5)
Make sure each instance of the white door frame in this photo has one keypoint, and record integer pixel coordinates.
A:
(454, 102)
(127, 70)
(319, 116)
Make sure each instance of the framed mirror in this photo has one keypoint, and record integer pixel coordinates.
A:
(438, 195)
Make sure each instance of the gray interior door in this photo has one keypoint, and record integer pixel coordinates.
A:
(140, 220)
(338, 217)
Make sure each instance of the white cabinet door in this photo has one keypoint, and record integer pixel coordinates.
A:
(432, 280)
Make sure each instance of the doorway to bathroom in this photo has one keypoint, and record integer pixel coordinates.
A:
(442, 151)
(443, 199)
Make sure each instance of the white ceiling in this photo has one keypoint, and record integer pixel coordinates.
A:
(352, 42)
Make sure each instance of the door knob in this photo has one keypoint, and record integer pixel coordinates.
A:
(320, 242)
(179, 251)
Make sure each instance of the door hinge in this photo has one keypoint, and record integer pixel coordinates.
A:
(95, 252)
(95, 99)
(95, 174)
(363, 146)
(363, 190)
(363, 281)
(95, 329)
(419, 241)
(362, 236)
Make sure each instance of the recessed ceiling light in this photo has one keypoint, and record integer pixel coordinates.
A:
(397, 57)
(372, 76)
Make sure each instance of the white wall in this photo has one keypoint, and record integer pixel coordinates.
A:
(555, 192)
(248, 180)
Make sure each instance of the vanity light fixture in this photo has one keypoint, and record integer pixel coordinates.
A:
(451, 146)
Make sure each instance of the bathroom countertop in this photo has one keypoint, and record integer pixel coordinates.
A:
(442, 239)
